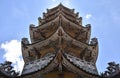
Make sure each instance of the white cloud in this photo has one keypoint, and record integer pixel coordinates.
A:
(88, 16)
(13, 53)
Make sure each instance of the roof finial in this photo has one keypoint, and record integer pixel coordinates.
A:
(60, 4)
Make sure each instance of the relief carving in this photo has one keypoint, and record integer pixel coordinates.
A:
(44, 33)
(38, 35)
(81, 35)
(86, 55)
(34, 54)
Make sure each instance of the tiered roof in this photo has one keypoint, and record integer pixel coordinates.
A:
(61, 42)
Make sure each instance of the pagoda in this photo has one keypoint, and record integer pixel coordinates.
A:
(60, 47)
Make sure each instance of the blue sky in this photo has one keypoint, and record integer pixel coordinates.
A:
(17, 15)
